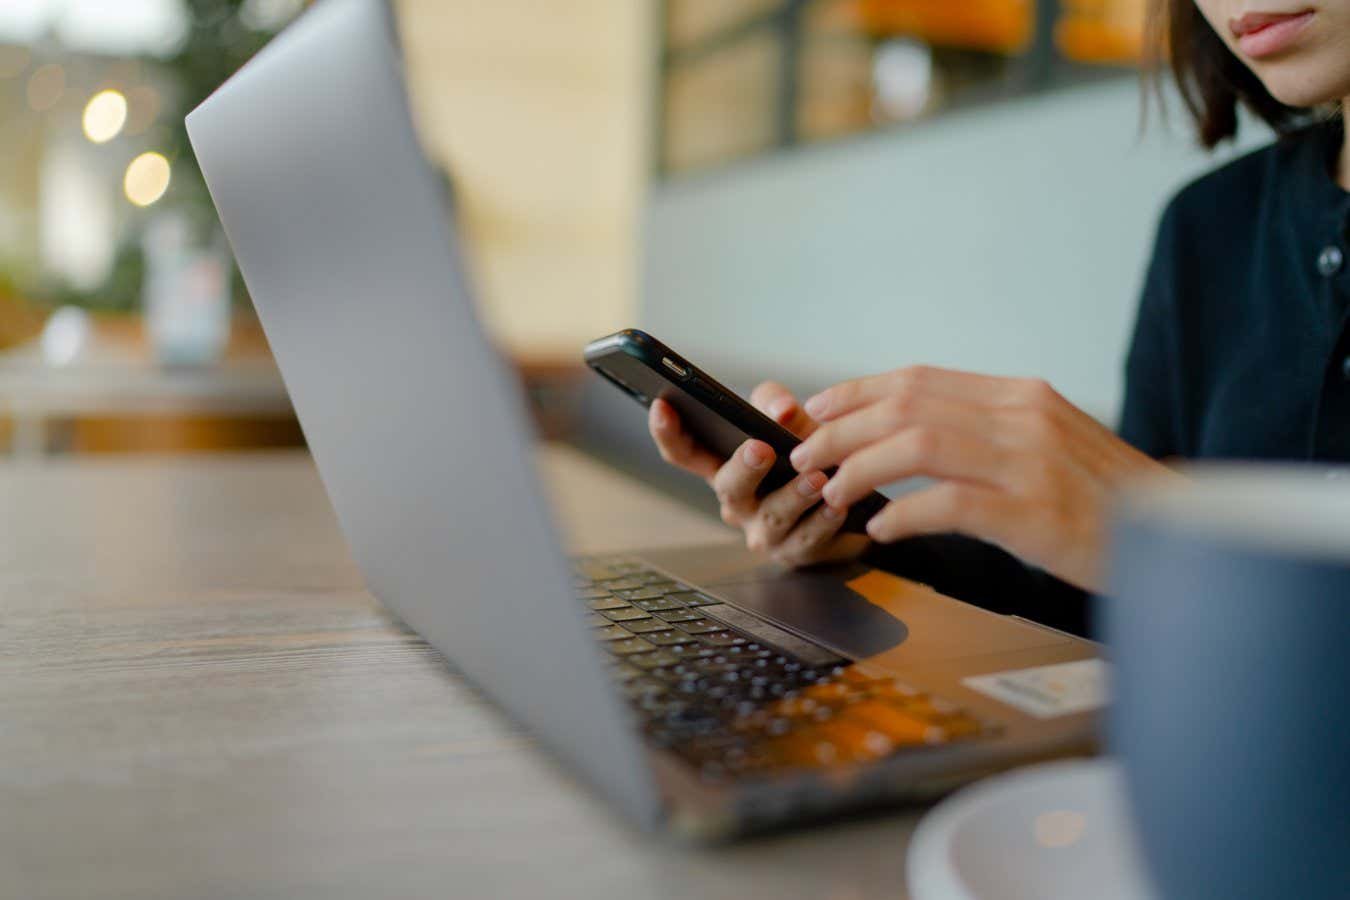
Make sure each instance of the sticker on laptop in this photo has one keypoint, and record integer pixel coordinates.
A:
(1047, 691)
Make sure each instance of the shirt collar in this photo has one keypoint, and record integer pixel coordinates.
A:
(1320, 198)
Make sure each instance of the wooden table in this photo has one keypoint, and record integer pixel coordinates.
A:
(198, 699)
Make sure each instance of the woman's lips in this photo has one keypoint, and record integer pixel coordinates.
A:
(1265, 34)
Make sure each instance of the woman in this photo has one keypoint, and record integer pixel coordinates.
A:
(1241, 350)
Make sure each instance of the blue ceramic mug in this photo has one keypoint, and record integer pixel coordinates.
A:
(1228, 622)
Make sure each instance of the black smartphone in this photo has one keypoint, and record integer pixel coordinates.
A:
(645, 369)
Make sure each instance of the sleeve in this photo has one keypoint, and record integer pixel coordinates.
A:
(986, 576)
(1149, 417)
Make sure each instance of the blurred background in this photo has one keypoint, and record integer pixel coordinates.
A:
(799, 189)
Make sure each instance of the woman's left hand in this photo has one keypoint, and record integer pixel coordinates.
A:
(1016, 464)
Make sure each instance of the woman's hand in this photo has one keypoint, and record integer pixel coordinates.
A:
(1016, 464)
(777, 523)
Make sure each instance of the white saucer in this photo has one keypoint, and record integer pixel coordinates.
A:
(1058, 830)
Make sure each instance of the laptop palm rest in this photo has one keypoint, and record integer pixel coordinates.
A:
(860, 612)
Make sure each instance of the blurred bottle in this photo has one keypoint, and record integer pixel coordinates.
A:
(186, 294)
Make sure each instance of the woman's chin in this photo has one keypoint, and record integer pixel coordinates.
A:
(1303, 87)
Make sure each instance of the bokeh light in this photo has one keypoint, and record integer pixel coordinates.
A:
(104, 116)
(45, 87)
(147, 178)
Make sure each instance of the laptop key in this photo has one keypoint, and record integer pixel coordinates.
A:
(628, 646)
(603, 603)
(679, 614)
(700, 626)
(622, 584)
(627, 614)
(644, 626)
(667, 638)
(658, 604)
(642, 593)
(694, 598)
(656, 660)
(610, 633)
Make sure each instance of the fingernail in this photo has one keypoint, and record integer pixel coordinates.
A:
(660, 418)
(874, 528)
(810, 485)
(781, 407)
(755, 457)
(831, 514)
(800, 456)
(830, 493)
(817, 405)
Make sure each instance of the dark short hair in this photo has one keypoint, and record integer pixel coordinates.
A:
(1212, 81)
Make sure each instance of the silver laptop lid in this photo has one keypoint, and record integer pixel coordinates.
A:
(339, 227)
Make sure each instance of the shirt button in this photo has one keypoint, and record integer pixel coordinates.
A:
(1330, 260)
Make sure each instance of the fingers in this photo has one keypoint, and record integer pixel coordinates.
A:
(779, 404)
(816, 540)
(976, 510)
(834, 441)
(989, 390)
(677, 446)
(921, 451)
(737, 480)
(779, 511)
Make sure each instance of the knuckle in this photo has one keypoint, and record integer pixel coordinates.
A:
(913, 377)
(1042, 475)
(926, 443)
(804, 539)
(729, 515)
(755, 540)
(1039, 392)
(899, 407)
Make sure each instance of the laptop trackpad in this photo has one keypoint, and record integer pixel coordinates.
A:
(880, 617)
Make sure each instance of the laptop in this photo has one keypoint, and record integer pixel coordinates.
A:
(702, 691)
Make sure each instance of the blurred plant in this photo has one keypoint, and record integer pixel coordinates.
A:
(18, 320)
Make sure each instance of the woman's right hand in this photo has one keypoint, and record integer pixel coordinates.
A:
(777, 523)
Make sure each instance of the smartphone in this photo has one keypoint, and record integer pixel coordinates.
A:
(646, 369)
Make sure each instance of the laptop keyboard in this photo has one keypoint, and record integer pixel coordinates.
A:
(738, 697)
